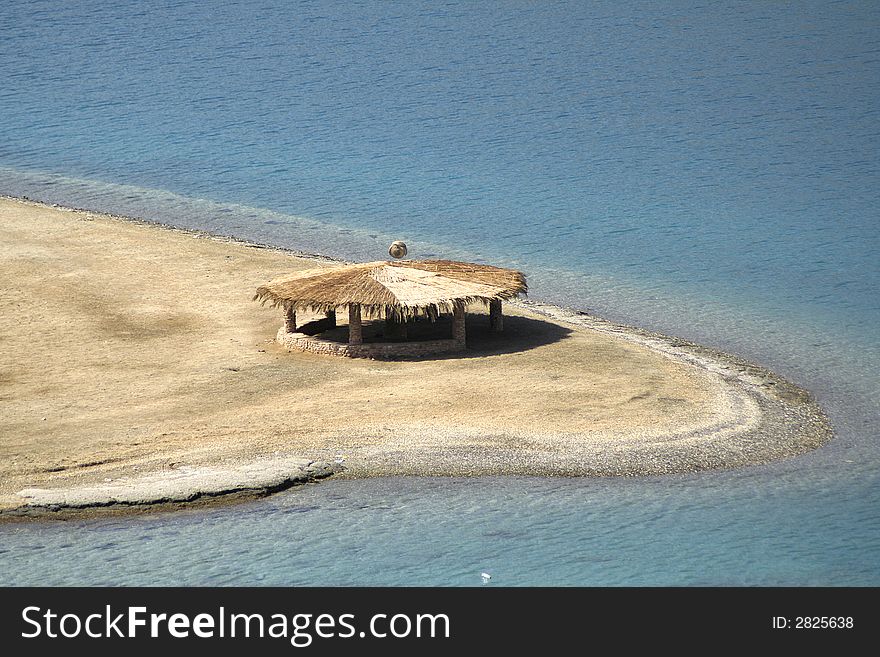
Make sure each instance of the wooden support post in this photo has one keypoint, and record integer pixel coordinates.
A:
(496, 319)
(355, 330)
(458, 332)
(290, 320)
(331, 318)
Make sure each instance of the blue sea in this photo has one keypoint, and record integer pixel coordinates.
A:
(708, 170)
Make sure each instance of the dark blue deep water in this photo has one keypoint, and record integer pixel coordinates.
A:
(708, 171)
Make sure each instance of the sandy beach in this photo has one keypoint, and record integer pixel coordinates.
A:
(135, 369)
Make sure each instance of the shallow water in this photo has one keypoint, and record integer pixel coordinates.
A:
(709, 172)
(447, 531)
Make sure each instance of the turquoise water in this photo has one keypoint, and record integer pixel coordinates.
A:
(438, 532)
(706, 171)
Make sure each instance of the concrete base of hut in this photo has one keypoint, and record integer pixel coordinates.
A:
(382, 350)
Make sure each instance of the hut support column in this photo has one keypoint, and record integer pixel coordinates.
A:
(496, 319)
(355, 330)
(290, 320)
(331, 318)
(458, 333)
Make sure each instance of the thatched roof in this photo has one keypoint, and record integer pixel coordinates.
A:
(400, 289)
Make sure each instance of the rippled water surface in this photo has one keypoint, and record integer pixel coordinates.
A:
(706, 171)
(446, 532)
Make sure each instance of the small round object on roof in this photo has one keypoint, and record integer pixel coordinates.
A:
(397, 249)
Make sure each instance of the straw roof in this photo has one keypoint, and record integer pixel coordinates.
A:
(399, 289)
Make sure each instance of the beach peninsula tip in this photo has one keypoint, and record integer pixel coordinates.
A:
(132, 353)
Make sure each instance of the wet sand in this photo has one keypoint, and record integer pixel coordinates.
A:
(131, 355)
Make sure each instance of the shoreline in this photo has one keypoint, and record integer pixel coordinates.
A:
(760, 416)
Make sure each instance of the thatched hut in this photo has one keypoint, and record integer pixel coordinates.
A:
(398, 292)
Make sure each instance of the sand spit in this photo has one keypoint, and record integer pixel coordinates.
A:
(135, 370)
(177, 486)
